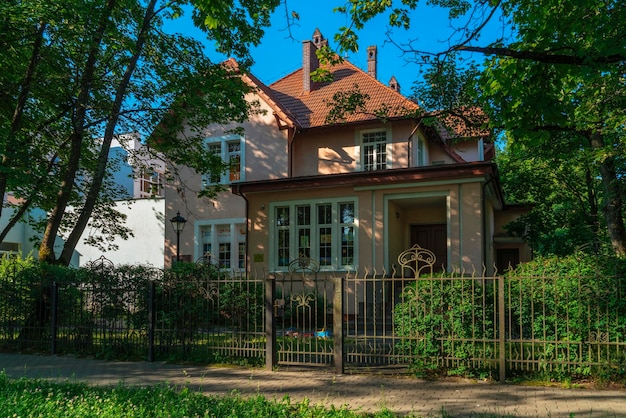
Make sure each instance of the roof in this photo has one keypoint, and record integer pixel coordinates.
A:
(480, 170)
(310, 109)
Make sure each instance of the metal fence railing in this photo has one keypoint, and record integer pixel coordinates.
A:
(201, 314)
(409, 319)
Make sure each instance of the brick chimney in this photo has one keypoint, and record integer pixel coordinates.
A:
(310, 62)
(393, 83)
(371, 60)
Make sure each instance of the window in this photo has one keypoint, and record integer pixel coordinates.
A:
(151, 182)
(282, 234)
(10, 249)
(323, 231)
(234, 160)
(374, 150)
(226, 242)
(420, 152)
(228, 148)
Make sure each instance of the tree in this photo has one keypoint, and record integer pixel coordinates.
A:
(559, 69)
(78, 72)
(562, 186)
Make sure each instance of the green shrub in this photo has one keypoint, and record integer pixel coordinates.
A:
(443, 322)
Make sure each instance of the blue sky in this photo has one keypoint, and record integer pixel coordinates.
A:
(279, 55)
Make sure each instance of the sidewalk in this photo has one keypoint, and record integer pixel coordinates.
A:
(363, 393)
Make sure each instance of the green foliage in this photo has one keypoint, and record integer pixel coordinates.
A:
(77, 73)
(565, 315)
(559, 181)
(441, 319)
(37, 397)
(194, 312)
(571, 304)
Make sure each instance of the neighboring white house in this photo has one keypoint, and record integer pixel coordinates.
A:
(22, 237)
(146, 218)
(142, 179)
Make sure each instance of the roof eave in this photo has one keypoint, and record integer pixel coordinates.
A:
(370, 178)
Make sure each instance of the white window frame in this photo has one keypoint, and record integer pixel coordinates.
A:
(361, 148)
(420, 154)
(237, 236)
(314, 233)
(151, 182)
(225, 155)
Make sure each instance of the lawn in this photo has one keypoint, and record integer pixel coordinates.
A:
(41, 398)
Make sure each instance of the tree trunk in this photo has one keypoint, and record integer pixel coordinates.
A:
(46, 250)
(96, 183)
(614, 204)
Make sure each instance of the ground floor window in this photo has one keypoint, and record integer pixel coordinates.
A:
(324, 231)
(225, 242)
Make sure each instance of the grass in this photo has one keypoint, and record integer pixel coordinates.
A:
(43, 398)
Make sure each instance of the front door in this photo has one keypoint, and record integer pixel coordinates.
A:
(433, 237)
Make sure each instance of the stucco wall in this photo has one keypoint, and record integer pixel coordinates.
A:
(264, 151)
(382, 234)
(338, 150)
(145, 217)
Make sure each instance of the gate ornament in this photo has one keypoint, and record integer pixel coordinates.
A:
(417, 259)
(304, 264)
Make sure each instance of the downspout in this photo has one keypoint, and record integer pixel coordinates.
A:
(290, 141)
(245, 199)
(483, 204)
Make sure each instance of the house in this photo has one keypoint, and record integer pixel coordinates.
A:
(351, 193)
(139, 179)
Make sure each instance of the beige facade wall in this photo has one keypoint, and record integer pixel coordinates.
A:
(471, 228)
(264, 156)
(469, 151)
(338, 150)
(385, 216)
(502, 240)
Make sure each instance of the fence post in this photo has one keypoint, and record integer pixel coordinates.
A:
(338, 325)
(151, 321)
(501, 330)
(270, 326)
(53, 319)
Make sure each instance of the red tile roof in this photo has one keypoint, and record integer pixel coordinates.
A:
(309, 110)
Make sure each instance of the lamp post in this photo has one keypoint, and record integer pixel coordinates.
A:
(178, 222)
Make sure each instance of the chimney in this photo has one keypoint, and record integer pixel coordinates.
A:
(394, 85)
(371, 61)
(310, 62)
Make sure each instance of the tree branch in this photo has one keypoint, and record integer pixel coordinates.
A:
(546, 57)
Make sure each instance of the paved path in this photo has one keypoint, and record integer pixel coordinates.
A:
(405, 396)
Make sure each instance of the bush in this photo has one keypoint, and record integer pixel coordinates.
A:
(443, 321)
(576, 307)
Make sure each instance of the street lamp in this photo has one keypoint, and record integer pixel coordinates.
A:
(178, 222)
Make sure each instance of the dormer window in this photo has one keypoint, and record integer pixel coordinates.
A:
(374, 152)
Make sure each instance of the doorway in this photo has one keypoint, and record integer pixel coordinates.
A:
(433, 237)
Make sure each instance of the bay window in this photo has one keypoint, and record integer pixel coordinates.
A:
(324, 231)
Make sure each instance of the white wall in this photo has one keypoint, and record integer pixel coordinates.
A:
(26, 237)
(146, 218)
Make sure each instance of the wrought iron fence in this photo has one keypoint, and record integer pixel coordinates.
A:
(409, 318)
(194, 314)
(570, 324)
